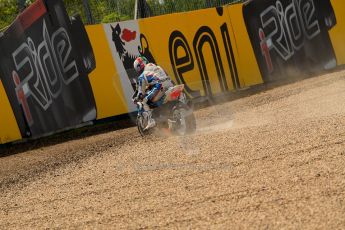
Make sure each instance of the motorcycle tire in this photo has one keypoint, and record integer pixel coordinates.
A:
(185, 121)
(141, 127)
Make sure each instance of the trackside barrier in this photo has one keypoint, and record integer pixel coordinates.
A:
(56, 74)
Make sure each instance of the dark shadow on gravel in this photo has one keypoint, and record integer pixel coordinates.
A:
(102, 126)
(32, 168)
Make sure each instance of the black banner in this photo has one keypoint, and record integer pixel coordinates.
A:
(44, 62)
(290, 37)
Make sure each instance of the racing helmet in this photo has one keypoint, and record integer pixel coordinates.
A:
(139, 65)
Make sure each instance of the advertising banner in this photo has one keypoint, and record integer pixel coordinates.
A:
(199, 49)
(291, 37)
(45, 60)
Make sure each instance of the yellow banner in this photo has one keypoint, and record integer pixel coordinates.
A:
(105, 79)
(337, 33)
(9, 130)
(208, 50)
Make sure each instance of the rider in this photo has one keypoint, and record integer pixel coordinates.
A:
(153, 82)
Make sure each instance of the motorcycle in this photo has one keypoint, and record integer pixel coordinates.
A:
(175, 115)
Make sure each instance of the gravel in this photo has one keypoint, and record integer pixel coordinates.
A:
(274, 159)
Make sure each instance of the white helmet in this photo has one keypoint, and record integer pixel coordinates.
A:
(139, 65)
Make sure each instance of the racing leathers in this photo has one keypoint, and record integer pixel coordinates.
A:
(152, 85)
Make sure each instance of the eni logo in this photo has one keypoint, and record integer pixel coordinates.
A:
(185, 63)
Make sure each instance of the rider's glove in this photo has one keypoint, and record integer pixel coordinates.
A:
(140, 96)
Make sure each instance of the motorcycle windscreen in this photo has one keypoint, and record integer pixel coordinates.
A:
(44, 75)
(290, 37)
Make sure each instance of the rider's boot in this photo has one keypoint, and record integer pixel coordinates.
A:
(150, 121)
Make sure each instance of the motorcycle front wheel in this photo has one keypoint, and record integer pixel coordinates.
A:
(141, 124)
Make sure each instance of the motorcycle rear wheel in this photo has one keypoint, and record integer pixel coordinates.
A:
(185, 121)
